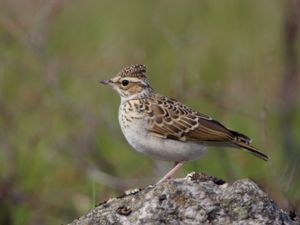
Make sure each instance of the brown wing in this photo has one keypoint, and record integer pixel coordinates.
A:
(171, 119)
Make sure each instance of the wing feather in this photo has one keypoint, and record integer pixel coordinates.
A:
(171, 119)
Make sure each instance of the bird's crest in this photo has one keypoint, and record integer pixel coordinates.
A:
(137, 70)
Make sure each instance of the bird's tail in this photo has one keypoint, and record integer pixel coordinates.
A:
(242, 141)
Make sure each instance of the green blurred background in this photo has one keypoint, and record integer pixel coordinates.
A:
(61, 148)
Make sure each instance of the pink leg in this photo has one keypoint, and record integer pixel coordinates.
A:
(176, 166)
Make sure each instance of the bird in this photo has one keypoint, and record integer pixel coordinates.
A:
(166, 129)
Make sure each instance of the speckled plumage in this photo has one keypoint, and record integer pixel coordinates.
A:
(163, 127)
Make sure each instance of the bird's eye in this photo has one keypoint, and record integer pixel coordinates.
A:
(125, 82)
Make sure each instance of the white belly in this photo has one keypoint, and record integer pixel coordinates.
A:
(159, 148)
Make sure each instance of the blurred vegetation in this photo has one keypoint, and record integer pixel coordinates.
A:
(61, 148)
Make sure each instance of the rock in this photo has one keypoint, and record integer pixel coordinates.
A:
(196, 199)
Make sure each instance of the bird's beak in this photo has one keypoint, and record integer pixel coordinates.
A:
(105, 82)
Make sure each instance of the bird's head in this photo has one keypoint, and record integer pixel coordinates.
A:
(131, 82)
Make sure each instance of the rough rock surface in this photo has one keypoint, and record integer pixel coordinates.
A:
(196, 199)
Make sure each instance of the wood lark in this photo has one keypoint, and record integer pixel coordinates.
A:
(164, 128)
